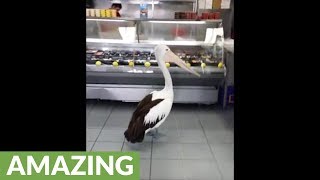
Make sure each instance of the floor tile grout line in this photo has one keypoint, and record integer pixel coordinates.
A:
(90, 109)
(181, 156)
(122, 144)
(179, 134)
(92, 105)
(214, 157)
(178, 130)
(177, 123)
(151, 159)
(105, 123)
(102, 127)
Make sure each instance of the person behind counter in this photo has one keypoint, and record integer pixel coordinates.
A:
(90, 4)
(118, 7)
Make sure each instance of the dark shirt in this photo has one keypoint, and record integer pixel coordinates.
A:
(89, 4)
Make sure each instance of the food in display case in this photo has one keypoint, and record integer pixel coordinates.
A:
(115, 64)
(147, 64)
(146, 58)
(131, 63)
(108, 13)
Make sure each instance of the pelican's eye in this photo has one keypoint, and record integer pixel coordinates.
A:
(167, 49)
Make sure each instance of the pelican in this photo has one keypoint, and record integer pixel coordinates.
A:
(153, 109)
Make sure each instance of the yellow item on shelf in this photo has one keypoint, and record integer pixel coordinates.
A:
(131, 63)
(220, 65)
(188, 64)
(147, 64)
(108, 13)
(87, 12)
(216, 4)
(113, 13)
(98, 63)
(97, 12)
(203, 65)
(115, 64)
(103, 12)
(167, 65)
(92, 13)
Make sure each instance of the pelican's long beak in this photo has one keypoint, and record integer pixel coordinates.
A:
(171, 57)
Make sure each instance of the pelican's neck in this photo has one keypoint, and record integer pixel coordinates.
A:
(166, 74)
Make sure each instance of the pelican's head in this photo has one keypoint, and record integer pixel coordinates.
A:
(163, 53)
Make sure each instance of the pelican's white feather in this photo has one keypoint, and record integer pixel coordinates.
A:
(161, 109)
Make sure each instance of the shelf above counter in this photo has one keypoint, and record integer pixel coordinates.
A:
(151, 20)
(152, 1)
(110, 41)
(148, 42)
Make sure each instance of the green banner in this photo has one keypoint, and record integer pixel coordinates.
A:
(69, 165)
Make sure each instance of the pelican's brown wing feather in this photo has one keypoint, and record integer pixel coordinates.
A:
(136, 129)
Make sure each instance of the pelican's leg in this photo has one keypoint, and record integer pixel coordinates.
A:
(150, 133)
(156, 135)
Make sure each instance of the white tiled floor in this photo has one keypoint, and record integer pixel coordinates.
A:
(196, 143)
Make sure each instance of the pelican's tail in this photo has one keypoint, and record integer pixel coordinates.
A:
(134, 137)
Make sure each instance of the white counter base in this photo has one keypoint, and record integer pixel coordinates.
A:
(135, 93)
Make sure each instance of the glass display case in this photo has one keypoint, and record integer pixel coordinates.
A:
(121, 64)
(186, 33)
